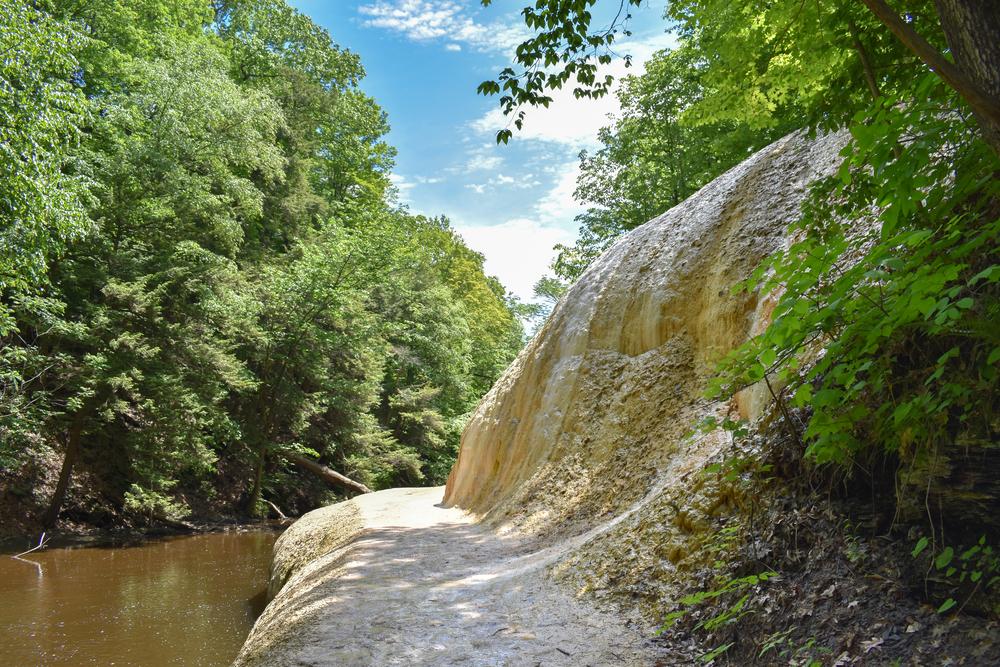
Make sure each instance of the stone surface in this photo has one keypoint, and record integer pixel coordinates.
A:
(583, 437)
(615, 373)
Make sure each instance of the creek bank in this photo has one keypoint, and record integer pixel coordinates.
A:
(92, 505)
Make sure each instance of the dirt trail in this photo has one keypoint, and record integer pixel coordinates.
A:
(424, 585)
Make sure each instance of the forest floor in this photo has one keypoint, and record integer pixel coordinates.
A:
(843, 593)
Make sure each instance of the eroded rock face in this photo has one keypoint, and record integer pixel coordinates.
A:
(583, 435)
(576, 458)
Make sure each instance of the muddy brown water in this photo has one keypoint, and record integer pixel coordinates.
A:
(187, 600)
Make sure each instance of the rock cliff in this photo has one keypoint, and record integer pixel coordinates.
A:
(583, 435)
(576, 458)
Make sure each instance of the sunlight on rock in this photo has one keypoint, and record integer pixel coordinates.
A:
(574, 470)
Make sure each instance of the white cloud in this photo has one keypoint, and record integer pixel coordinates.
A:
(569, 121)
(480, 161)
(402, 185)
(559, 206)
(424, 20)
(452, 47)
(518, 252)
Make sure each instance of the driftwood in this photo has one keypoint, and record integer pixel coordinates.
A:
(324, 472)
(275, 508)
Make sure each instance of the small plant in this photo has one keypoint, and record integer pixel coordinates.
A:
(856, 549)
(782, 643)
(720, 544)
(976, 565)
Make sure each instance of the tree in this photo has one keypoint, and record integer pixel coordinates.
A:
(315, 351)
(761, 55)
(651, 160)
(41, 206)
(168, 158)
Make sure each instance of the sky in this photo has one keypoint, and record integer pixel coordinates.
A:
(424, 60)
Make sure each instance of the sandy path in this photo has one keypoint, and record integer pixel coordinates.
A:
(424, 585)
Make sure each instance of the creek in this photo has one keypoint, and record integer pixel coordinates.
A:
(179, 600)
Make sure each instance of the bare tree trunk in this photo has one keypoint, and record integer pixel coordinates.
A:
(972, 28)
(324, 472)
(69, 458)
(258, 476)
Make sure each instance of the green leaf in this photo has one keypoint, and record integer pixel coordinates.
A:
(948, 604)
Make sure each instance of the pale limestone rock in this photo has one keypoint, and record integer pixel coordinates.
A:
(575, 458)
(612, 379)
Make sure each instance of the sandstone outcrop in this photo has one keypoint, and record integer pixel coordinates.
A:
(576, 458)
(583, 435)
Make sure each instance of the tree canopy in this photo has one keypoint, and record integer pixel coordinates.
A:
(907, 327)
(204, 272)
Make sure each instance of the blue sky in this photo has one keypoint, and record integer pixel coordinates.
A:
(424, 60)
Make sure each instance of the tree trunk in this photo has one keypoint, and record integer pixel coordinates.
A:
(972, 28)
(258, 476)
(972, 24)
(72, 448)
(324, 472)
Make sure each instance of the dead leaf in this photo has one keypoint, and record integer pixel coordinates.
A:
(841, 659)
(872, 643)
(914, 627)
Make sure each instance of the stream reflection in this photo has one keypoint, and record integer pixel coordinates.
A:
(187, 600)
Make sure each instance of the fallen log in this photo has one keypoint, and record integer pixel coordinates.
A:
(324, 472)
(179, 525)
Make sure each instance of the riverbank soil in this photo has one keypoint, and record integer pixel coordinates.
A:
(93, 501)
(423, 585)
(844, 592)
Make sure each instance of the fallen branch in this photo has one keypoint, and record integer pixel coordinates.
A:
(41, 545)
(275, 508)
(173, 523)
(180, 525)
(324, 472)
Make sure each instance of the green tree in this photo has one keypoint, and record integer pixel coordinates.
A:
(651, 160)
(168, 159)
(41, 206)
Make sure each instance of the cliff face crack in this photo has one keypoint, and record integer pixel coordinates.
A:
(405, 581)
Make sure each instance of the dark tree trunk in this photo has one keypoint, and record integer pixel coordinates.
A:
(972, 28)
(251, 506)
(72, 449)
